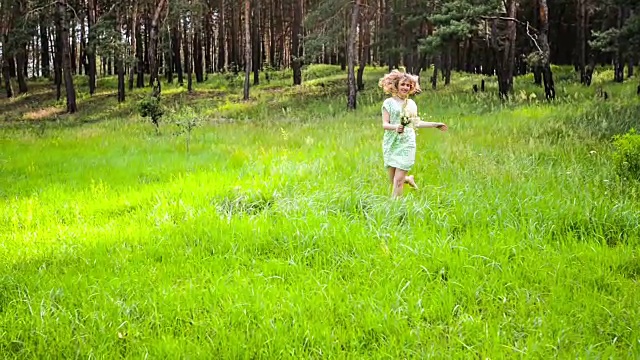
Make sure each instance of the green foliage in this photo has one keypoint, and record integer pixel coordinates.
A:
(23, 28)
(605, 41)
(630, 33)
(106, 39)
(456, 20)
(319, 71)
(535, 58)
(626, 158)
(626, 38)
(151, 107)
(327, 19)
(186, 118)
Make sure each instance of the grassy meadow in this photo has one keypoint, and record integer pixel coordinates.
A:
(273, 234)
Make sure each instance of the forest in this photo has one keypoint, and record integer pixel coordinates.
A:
(207, 179)
(143, 41)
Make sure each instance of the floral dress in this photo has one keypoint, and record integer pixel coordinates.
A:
(399, 150)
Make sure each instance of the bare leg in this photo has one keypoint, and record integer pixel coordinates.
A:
(392, 174)
(410, 180)
(398, 182)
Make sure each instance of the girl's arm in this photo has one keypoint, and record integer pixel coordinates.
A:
(386, 123)
(428, 124)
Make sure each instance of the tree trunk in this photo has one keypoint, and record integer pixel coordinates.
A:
(198, 61)
(234, 38)
(176, 44)
(12, 65)
(44, 48)
(187, 56)
(296, 52)
(140, 57)
(537, 75)
(221, 38)
(82, 64)
(469, 59)
(66, 57)
(272, 35)
(506, 53)
(153, 42)
(247, 47)
(588, 73)
(632, 57)
(619, 61)
(447, 67)
(365, 44)
(256, 43)
(74, 48)
(434, 77)
(35, 63)
(351, 56)
(6, 68)
(169, 59)
(582, 39)
(57, 59)
(537, 68)
(378, 19)
(489, 61)
(119, 59)
(20, 47)
(134, 44)
(147, 32)
(21, 62)
(423, 64)
(393, 60)
(208, 41)
(91, 46)
(549, 87)
(280, 34)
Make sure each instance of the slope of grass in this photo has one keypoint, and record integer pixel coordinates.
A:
(275, 236)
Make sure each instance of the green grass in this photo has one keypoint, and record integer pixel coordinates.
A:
(275, 235)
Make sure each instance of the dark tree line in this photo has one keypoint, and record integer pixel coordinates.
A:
(146, 42)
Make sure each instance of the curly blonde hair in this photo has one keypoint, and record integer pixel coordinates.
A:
(389, 83)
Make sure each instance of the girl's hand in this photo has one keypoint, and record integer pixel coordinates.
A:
(400, 129)
(442, 127)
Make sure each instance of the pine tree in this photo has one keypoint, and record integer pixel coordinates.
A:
(247, 47)
(351, 98)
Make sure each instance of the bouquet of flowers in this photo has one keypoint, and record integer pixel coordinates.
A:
(406, 119)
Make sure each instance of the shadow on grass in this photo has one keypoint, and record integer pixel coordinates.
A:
(40, 95)
(90, 110)
(40, 106)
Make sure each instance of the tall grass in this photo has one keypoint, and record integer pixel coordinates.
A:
(274, 236)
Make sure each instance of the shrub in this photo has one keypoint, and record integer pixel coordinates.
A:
(187, 119)
(150, 107)
(626, 157)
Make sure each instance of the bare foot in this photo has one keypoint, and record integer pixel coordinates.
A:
(409, 180)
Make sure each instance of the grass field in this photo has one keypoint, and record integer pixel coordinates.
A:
(274, 236)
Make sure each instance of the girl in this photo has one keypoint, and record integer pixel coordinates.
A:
(399, 118)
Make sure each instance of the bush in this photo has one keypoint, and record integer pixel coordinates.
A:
(319, 71)
(150, 107)
(626, 157)
(187, 119)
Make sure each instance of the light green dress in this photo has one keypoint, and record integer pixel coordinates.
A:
(399, 150)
